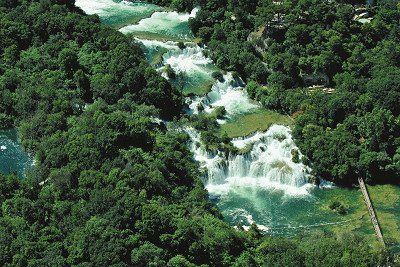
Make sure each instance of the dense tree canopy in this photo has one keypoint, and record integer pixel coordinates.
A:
(111, 186)
(338, 75)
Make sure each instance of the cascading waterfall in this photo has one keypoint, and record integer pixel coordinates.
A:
(165, 23)
(189, 60)
(243, 183)
(238, 181)
(267, 164)
(191, 67)
(228, 93)
(116, 13)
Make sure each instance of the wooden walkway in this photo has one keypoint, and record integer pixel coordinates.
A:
(371, 211)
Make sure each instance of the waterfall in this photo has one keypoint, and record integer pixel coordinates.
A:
(267, 164)
(266, 158)
(189, 60)
(119, 11)
(168, 23)
(255, 185)
(227, 93)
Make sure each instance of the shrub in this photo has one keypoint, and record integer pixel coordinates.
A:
(181, 45)
(218, 76)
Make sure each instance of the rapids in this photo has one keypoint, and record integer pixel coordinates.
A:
(117, 13)
(229, 94)
(169, 24)
(266, 164)
(193, 70)
(262, 183)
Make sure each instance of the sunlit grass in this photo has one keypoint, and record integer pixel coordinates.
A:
(158, 37)
(385, 199)
(198, 90)
(259, 120)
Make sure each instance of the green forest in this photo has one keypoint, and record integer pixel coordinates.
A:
(276, 48)
(111, 186)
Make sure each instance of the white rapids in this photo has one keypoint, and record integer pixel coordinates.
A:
(229, 94)
(160, 22)
(107, 8)
(267, 164)
(255, 185)
(189, 60)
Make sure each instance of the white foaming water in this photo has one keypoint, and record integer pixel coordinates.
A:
(246, 218)
(228, 94)
(268, 164)
(189, 60)
(154, 43)
(107, 8)
(160, 22)
(3, 148)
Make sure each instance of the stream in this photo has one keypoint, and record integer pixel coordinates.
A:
(13, 158)
(262, 185)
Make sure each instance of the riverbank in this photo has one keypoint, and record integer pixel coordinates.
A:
(317, 200)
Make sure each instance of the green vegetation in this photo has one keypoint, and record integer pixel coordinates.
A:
(157, 57)
(181, 45)
(217, 75)
(111, 186)
(260, 120)
(386, 200)
(201, 90)
(196, 87)
(350, 127)
(338, 207)
(157, 36)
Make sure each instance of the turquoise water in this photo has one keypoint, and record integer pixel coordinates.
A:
(118, 13)
(193, 70)
(278, 212)
(13, 159)
(162, 25)
(274, 210)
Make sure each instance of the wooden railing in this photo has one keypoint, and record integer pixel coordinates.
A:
(371, 211)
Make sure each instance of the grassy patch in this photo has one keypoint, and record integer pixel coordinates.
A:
(199, 90)
(385, 199)
(158, 37)
(247, 124)
(356, 219)
(157, 57)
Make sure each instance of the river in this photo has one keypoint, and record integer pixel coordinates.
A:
(262, 185)
(13, 158)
